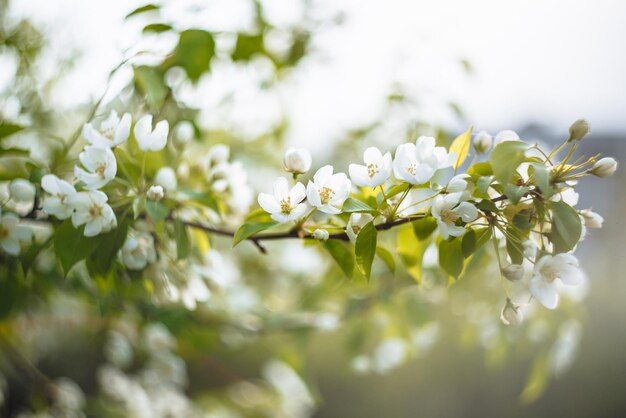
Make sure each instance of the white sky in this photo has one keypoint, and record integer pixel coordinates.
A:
(543, 61)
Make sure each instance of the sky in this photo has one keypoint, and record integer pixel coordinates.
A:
(547, 62)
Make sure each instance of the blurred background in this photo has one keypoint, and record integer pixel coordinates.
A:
(373, 68)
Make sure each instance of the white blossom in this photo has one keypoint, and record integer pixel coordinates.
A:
(447, 210)
(100, 165)
(113, 131)
(194, 291)
(91, 209)
(605, 167)
(506, 135)
(138, 250)
(149, 139)
(12, 234)
(155, 193)
(328, 191)
(217, 154)
(284, 205)
(482, 142)
(297, 161)
(56, 203)
(578, 130)
(376, 170)
(22, 191)
(356, 222)
(183, 132)
(548, 269)
(321, 235)
(530, 248)
(591, 219)
(417, 163)
(166, 178)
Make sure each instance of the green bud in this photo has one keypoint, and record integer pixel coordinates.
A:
(579, 130)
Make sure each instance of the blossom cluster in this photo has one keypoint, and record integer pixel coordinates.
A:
(98, 167)
(420, 181)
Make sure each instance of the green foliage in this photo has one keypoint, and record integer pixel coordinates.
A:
(101, 260)
(473, 239)
(505, 158)
(424, 227)
(143, 9)
(461, 146)
(246, 230)
(157, 211)
(183, 244)
(194, 52)
(387, 257)
(7, 129)
(342, 255)
(71, 245)
(356, 206)
(365, 248)
(451, 257)
(566, 227)
(149, 80)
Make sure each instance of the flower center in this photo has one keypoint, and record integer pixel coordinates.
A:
(449, 217)
(4, 232)
(356, 229)
(326, 194)
(285, 206)
(95, 211)
(412, 169)
(549, 273)
(108, 133)
(372, 170)
(100, 169)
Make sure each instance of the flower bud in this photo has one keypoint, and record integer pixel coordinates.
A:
(482, 142)
(321, 234)
(514, 272)
(605, 167)
(183, 133)
(22, 191)
(511, 314)
(155, 193)
(579, 130)
(530, 248)
(166, 177)
(507, 135)
(592, 219)
(297, 161)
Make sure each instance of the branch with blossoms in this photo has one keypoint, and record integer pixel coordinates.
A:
(123, 205)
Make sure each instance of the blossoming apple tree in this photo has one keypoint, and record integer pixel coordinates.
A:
(163, 226)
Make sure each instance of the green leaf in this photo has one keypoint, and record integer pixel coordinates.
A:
(245, 231)
(356, 206)
(487, 205)
(542, 179)
(514, 248)
(483, 183)
(204, 198)
(14, 152)
(424, 227)
(8, 129)
(247, 46)
(71, 246)
(194, 52)
(385, 255)
(139, 204)
(340, 253)
(566, 227)
(143, 9)
(13, 167)
(515, 193)
(103, 257)
(451, 257)
(365, 248)
(183, 244)
(461, 146)
(480, 169)
(397, 189)
(411, 251)
(505, 158)
(149, 80)
(473, 240)
(157, 211)
(157, 28)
